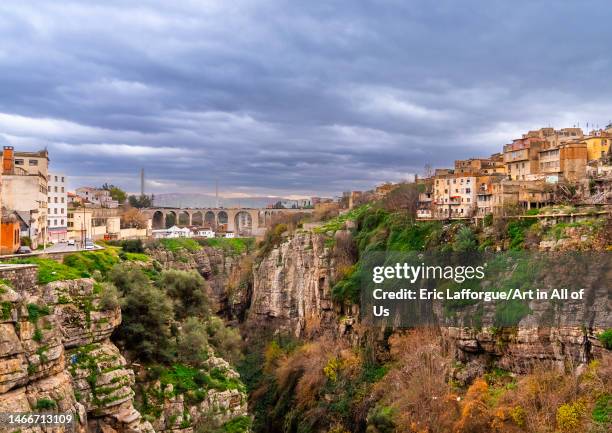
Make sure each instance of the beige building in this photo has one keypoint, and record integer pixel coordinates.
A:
(521, 157)
(79, 224)
(24, 187)
(565, 161)
(454, 195)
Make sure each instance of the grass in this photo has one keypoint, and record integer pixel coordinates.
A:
(185, 379)
(241, 424)
(337, 223)
(86, 262)
(180, 243)
(135, 257)
(50, 270)
(232, 246)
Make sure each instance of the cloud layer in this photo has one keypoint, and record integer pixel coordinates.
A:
(284, 97)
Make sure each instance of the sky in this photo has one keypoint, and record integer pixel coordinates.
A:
(292, 98)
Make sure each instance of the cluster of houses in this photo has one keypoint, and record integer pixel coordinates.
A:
(190, 232)
(38, 209)
(527, 174)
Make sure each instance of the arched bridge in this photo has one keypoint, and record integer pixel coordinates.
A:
(240, 220)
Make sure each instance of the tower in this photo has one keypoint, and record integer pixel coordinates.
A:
(142, 182)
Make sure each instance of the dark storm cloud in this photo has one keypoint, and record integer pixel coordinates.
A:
(292, 97)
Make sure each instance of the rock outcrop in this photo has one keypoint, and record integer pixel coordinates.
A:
(223, 272)
(292, 286)
(55, 354)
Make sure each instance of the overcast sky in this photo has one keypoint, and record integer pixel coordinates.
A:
(292, 97)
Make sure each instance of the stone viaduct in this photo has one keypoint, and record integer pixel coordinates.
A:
(239, 220)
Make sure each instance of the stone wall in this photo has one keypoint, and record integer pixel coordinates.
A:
(20, 277)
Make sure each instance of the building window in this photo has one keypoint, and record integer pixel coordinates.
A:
(56, 178)
(62, 189)
(33, 162)
(19, 162)
(55, 199)
(62, 210)
(55, 189)
(62, 199)
(62, 178)
(62, 222)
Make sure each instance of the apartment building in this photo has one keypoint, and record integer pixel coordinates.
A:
(57, 208)
(24, 188)
(97, 196)
(565, 161)
(598, 144)
(454, 194)
(521, 157)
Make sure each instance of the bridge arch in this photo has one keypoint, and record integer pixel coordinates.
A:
(158, 220)
(243, 223)
(210, 219)
(171, 219)
(197, 219)
(222, 218)
(184, 219)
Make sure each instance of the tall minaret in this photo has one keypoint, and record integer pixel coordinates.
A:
(142, 183)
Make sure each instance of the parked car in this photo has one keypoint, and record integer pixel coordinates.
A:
(89, 245)
(71, 242)
(24, 250)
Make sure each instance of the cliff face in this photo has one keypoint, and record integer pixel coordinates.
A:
(49, 334)
(291, 292)
(222, 272)
(292, 286)
(55, 354)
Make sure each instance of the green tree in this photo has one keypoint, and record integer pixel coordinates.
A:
(145, 330)
(187, 291)
(141, 201)
(192, 347)
(226, 341)
(465, 240)
(115, 192)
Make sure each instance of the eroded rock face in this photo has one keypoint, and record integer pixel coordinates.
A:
(41, 329)
(222, 272)
(292, 286)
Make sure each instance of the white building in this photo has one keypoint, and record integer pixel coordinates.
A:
(57, 208)
(229, 235)
(97, 196)
(206, 233)
(172, 232)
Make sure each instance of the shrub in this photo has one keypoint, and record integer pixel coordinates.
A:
(109, 298)
(187, 291)
(569, 416)
(132, 246)
(87, 262)
(226, 341)
(45, 404)
(192, 346)
(147, 312)
(180, 243)
(606, 338)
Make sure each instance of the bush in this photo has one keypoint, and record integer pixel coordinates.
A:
(45, 404)
(147, 312)
(606, 338)
(192, 347)
(132, 246)
(569, 416)
(187, 291)
(226, 341)
(109, 299)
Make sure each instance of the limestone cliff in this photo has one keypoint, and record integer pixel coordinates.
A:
(292, 286)
(42, 329)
